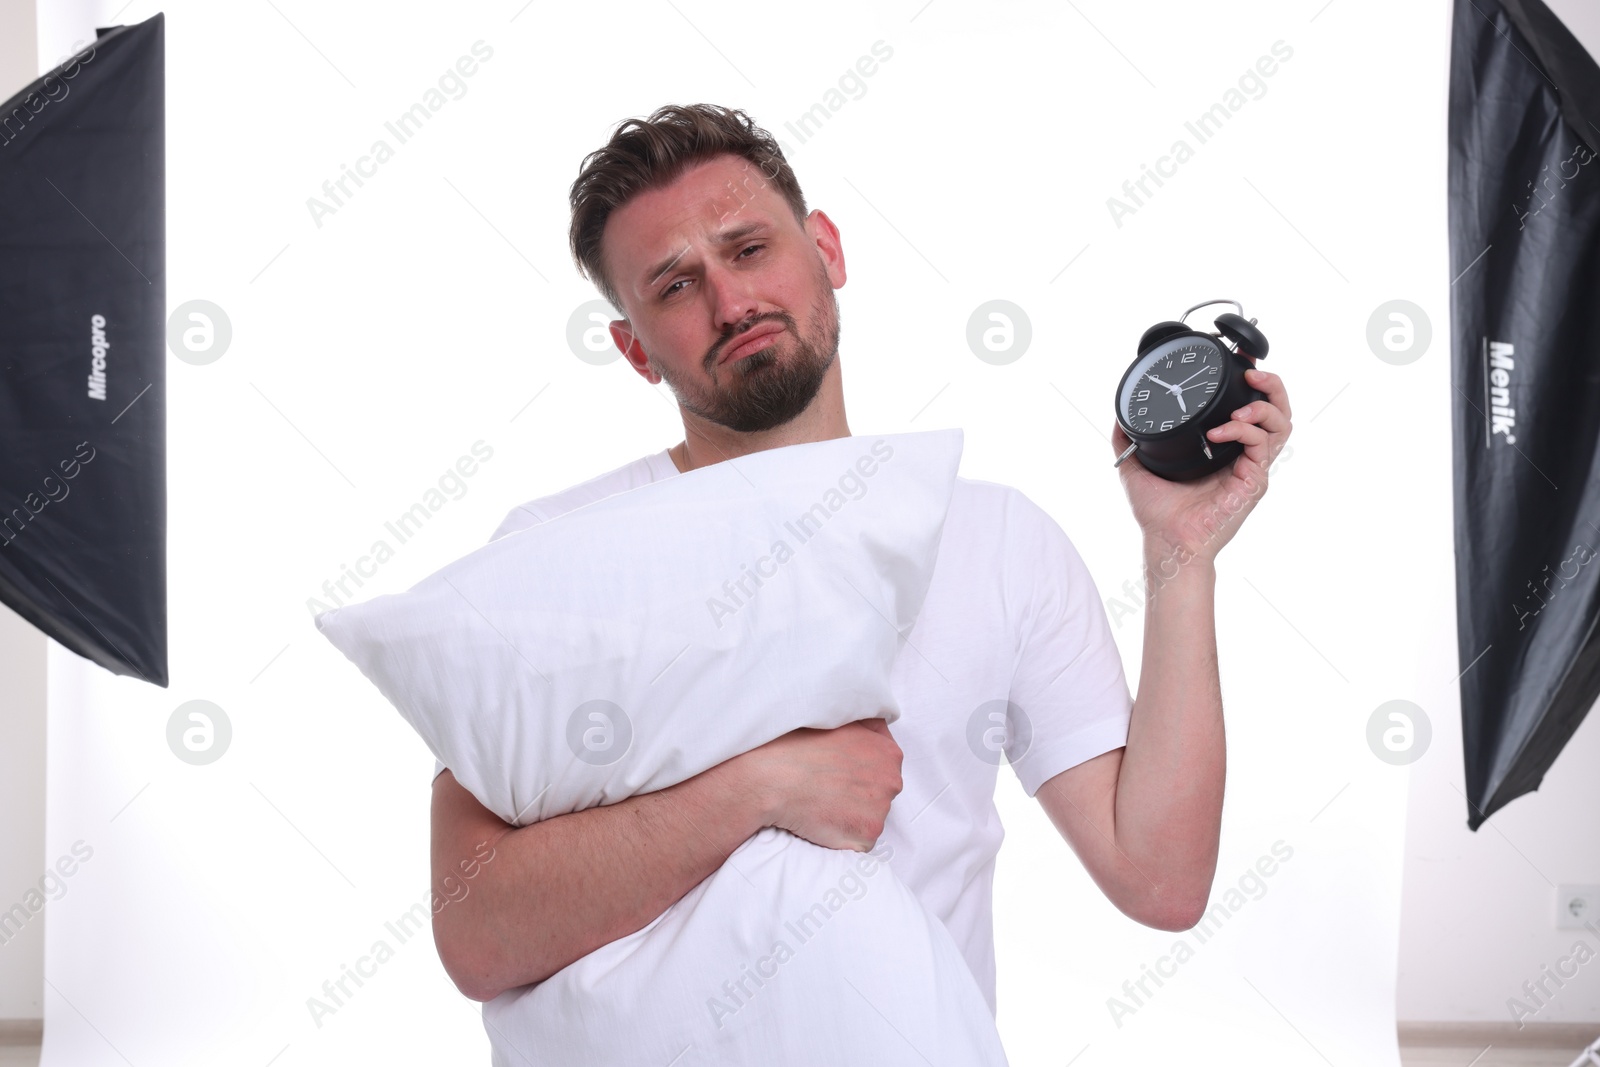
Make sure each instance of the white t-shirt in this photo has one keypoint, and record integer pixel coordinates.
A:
(1011, 614)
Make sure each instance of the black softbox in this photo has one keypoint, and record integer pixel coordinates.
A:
(1525, 326)
(82, 353)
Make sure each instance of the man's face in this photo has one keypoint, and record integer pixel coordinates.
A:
(707, 265)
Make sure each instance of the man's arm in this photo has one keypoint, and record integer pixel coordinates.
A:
(559, 889)
(1146, 819)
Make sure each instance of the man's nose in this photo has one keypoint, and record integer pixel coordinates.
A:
(733, 299)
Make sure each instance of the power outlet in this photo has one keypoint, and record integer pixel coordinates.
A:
(1576, 905)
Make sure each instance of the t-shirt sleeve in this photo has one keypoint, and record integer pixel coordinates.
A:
(519, 518)
(1071, 696)
(438, 768)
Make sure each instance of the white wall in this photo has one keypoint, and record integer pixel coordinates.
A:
(22, 811)
(1478, 915)
(19, 55)
(22, 678)
(1582, 18)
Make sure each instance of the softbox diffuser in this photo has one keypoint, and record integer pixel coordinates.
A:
(1525, 324)
(82, 353)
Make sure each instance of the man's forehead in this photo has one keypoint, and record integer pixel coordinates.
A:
(665, 243)
(711, 204)
(714, 233)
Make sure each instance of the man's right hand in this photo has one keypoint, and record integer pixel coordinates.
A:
(559, 889)
(831, 787)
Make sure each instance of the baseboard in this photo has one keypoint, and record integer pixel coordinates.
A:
(21, 1031)
(1572, 1036)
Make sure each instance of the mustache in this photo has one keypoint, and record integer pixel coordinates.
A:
(717, 349)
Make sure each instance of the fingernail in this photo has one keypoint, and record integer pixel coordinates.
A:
(1241, 413)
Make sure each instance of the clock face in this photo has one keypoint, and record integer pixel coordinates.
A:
(1172, 384)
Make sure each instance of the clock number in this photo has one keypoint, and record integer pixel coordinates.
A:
(1211, 388)
(1142, 411)
(1167, 425)
(1189, 357)
(1143, 394)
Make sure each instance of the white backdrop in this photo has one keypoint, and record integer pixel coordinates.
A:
(373, 346)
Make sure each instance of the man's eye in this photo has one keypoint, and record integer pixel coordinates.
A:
(673, 288)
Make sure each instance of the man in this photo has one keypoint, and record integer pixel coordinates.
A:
(691, 223)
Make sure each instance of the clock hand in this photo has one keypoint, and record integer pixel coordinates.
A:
(1179, 394)
(1191, 377)
(1163, 384)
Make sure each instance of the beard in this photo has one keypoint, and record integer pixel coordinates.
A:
(765, 389)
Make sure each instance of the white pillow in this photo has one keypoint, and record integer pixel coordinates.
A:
(638, 640)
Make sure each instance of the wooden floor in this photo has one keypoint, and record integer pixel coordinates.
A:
(28, 1056)
(1493, 1044)
(1410, 1056)
(1462, 1057)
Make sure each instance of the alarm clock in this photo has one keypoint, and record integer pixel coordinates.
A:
(1181, 384)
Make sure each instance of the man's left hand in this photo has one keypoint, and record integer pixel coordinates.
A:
(1193, 520)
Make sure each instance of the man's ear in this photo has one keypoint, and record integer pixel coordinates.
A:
(825, 236)
(632, 351)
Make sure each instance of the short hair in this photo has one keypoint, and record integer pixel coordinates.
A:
(651, 153)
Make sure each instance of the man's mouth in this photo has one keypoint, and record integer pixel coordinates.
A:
(755, 339)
